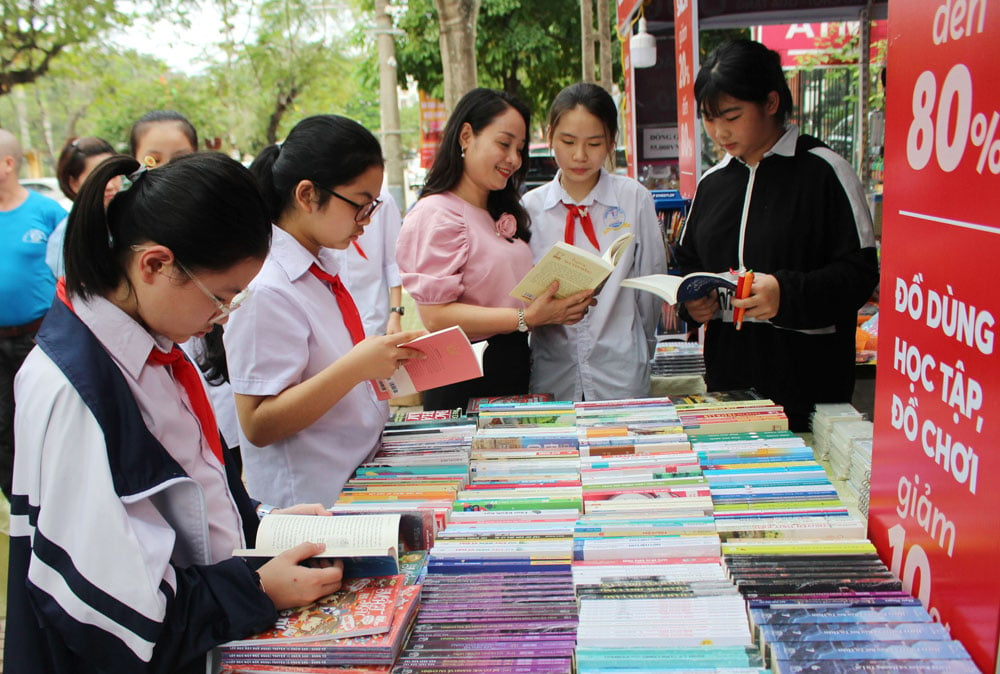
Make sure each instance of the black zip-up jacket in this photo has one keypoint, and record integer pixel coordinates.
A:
(801, 215)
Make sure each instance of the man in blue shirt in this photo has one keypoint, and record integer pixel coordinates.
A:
(26, 283)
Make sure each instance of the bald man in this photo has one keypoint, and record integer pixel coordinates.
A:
(26, 283)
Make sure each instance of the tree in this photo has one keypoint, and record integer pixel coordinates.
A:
(457, 37)
(34, 34)
(525, 47)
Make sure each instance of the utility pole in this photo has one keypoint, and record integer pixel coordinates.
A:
(604, 40)
(392, 145)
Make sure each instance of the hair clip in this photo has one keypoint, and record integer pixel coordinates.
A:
(149, 162)
(138, 173)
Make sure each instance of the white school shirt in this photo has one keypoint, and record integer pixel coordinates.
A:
(288, 330)
(369, 280)
(606, 355)
(166, 411)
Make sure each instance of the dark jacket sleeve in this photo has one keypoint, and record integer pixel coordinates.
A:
(213, 604)
(848, 274)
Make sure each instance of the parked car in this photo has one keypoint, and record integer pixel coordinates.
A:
(48, 187)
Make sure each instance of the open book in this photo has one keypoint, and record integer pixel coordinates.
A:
(574, 268)
(450, 358)
(368, 544)
(680, 289)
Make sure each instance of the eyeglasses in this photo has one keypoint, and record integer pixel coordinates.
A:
(223, 308)
(364, 212)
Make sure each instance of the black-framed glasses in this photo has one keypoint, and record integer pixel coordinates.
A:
(364, 211)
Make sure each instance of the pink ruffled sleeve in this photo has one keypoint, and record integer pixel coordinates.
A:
(432, 250)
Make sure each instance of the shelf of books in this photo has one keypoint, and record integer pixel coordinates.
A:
(692, 534)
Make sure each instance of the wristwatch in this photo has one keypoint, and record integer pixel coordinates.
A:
(397, 310)
(522, 325)
(264, 509)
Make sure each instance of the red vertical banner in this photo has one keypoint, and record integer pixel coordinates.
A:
(432, 120)
(688, 131)
(933, 514)
(626, 10)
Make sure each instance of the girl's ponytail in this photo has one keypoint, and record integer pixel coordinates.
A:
(262, 169)
(91, 250)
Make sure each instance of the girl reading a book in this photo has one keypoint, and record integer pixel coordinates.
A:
(464, 246)
(299, 361)
(607, 354)
(124, 516)
(786, 206)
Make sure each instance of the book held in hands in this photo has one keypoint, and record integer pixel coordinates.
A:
(679, 289)
(575, 268)
(449, 358)
(368, 544)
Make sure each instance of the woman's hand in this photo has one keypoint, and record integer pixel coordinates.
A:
(289, 584)
(378, 357)
(764, 299)
(703, 308)
(547, 310)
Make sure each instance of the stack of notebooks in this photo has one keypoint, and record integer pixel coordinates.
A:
(675, 358)
(364, 624)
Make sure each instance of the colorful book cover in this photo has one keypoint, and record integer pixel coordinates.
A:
(362, 606)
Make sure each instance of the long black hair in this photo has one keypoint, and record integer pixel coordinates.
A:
(478, 108)
(155, 117)
(745, 70)
(205, 207)
(327, 150)
(73, 159)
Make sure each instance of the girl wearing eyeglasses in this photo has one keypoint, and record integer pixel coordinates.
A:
(298, 358)
(124, 512)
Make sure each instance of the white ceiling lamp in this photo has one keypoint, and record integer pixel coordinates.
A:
(642, 47)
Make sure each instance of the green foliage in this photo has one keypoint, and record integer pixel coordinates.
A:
(528, 48)
(33, 34)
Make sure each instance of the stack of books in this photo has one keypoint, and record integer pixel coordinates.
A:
(822, 606)
(674, 358)
(728, 412)
(365, 623)
(842, 436)
(518, 622)
(859, 477)
(821, 424)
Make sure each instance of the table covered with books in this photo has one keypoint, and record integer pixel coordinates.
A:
(651, 535)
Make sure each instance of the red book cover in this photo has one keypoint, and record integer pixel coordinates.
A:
(449, 358)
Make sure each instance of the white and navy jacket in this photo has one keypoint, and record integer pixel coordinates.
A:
(90, 518)
(801, 215)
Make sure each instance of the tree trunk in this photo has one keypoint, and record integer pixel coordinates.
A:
(392, 146)
(604, 38)
(457, 19)
(281, 105)
(587, 39)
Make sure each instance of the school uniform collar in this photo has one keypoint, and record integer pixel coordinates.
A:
(785, 146)
(128, 342)
(603, 192)
(295, 260)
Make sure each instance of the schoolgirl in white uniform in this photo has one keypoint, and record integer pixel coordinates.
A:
(298, 358)
(607, 354)
(124, 512)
